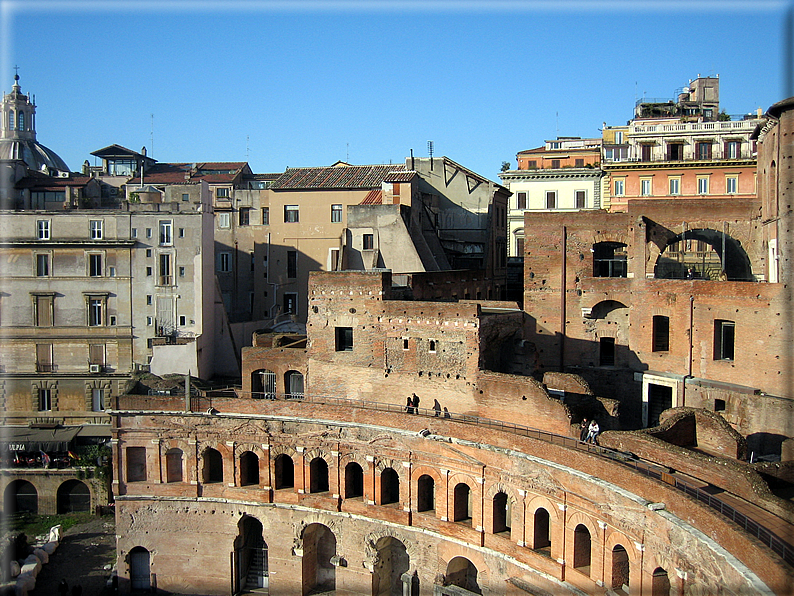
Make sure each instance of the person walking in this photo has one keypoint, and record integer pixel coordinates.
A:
(416, 403)
(585, 427)
(436, 408)
(592, 433)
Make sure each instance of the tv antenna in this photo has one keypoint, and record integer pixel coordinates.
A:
(430, 152)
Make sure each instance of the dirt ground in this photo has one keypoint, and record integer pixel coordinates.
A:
(84, 551)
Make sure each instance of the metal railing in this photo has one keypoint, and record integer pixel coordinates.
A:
(652, 470)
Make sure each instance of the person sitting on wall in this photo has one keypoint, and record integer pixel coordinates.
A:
(592, 432)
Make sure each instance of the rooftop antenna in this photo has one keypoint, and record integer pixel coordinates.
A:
(430, 152)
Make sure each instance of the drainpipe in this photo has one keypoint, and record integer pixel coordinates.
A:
(691, 347)
(563, 291)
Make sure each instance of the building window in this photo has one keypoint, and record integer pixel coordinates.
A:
(432, 346)
(292, 264)
(607, 351)
(368, 241)
(618, 137)
(579, 163)
(620, 188)
(181, 272)
(521, 200)
(224, 220)
(336, 213)
(610, 259)
(148, 272)
(42, 265)
(98, 400)
(703, 186)
(703, 150)
(724, 337)
(181, 232)
(95, 229)
(551, 199)
(148, 232)
(244, 216)
(95, 312)
(406, 346)
(291, 214)
(182, 320)
(532, 164)
(134, 232)
(290, 303)
(719, 405)
(112, 271)
(731, 185)
(265, 216)
(224, 262)
(733, 150)
(166, 278)
(148, 253)
(645, 152)
(149, 321)
(580, 199)
(675, 151)
(43, 312)
(661, 333)
(112, 320)
(45, 400)
(555, 164)
(675, 186)
(148, 299)
(222, 193)
(95, 265)
(166, 233)
(344, 339)
(136, 464)
(645, 187)
(43, 229)
(185, 196)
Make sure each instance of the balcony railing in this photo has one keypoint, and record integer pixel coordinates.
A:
(46, 367)
(679, 127)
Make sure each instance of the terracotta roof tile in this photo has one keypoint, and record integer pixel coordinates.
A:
(340, 176)
(374, 197)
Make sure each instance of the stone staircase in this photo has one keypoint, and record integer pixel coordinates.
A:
(256, 581)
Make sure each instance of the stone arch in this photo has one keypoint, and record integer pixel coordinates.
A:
(318, 558)
(463, 573)
(174, 465)
(604, 308)
(263, 384)
(383, 463)
(211, 464)
(248, 466)
(660, 582)
(316, 452)
(20, 495)
(463, 491)
(73, 496)
(356, 457)
(576, 518)
(500, 487)
(389, 486)
(705, 264)
(537, 501)
(283, 449)
(283, 466)
(371, 541)
(319, 475)
(335, 525)
(139, 561)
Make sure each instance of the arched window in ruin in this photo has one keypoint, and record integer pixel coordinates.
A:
(293, 381)
(461, 507)
(249, 469)
(354, 481)
(501, 513)
(173, 465)
(212, 470)
(263, 384)
(541, 532)
(391, 562)
(389, 487)
(462, 573)
(425, 493)
(317, 564)
(660, 584)
(284, 472)
(610, 259)
(20, 495)
(140, 578)
(318, 475)
(73, 496)
(620, 568)
(703, 254)
(581, 549)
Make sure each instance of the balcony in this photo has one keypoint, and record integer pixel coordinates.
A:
(727, 126)
(46, 367)
(165, 280)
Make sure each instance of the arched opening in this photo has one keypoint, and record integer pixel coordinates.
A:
(391, 562)
(501, 513)
(139, 569)
(249, 469)
(354, 481)
(425, 493)
(11, 120)
(293, 381)
(212, 471)
(610, 259)
(318, 475)
(703, 254)
(21, 121)
(263, 384)
(541, 533)
(581, 549)
(660, 584)
(620, 568)
(73, 496)
(462, 573)
(461, 506)
(20, 495)
(319, 550)
(284, 472)
(389, 487)
(173, 465)
(136, 464)
(250, 556)
(605, 308)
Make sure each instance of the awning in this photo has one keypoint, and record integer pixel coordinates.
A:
(18, 438)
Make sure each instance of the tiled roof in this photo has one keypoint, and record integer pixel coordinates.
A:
(341, 176)
(374, 197)
(405, 176)
(175, 173)
(36, 180)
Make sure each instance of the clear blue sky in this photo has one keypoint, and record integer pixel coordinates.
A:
(308, 83)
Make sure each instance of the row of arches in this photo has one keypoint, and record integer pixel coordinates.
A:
(532, 522)
(264, 384)
(72, 496)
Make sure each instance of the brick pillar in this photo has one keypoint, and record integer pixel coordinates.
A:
(370, 487)
(405, 489)
(266, 474)
(229, 467)
(300, 477)
(559, 537)
(518, 524)
(442, 505)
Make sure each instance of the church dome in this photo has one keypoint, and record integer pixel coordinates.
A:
(18, 135)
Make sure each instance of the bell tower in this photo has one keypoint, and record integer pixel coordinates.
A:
(19, 115)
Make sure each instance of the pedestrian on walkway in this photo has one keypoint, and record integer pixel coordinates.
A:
(409, 405)
(446, 413)
(592, 432)
(585, 427)
(436, 408)
(416, 403)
